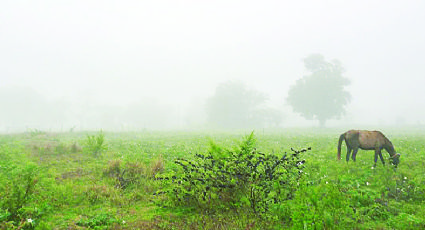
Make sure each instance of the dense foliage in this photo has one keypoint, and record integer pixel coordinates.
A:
(239, 177)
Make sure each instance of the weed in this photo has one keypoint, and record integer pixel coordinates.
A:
(95, 143)
(98, 221)
(18, 190)
(75, 147)
(156, 166)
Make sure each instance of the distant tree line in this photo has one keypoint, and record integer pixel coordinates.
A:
(319, 95)
(233, 105)
(24, 109)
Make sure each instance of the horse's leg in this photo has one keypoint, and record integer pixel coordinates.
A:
(354, 154)
(377, 152)
(348, 153)
(380, 156)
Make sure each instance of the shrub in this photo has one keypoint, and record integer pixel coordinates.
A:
(240, 177)
(75, 147)
(95, 143)
(24, 189)
(17, 190)
(132, 172)
(156, 166)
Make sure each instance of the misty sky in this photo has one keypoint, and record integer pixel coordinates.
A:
(119, 52)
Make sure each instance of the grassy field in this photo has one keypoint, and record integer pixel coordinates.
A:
(116, 181)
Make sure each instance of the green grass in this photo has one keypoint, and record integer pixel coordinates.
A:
(70, 181)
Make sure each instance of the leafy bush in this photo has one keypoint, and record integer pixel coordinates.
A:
(132, 172)
(35, 132)
(95, 143)
(230, 179)
(25, 190)
(17, 190)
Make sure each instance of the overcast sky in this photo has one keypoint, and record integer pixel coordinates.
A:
(178, 51)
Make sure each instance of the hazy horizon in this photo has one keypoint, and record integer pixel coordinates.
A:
(174, 54)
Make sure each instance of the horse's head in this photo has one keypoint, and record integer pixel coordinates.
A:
(396, 159)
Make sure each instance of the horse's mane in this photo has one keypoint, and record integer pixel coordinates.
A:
(389, 146)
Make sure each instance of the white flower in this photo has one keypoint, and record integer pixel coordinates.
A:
(123, 222)
(405, 178)
(326, 182)
(30, 220)
(367, 183)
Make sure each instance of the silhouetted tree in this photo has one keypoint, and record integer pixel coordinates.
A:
(321, 94)
(233, 105)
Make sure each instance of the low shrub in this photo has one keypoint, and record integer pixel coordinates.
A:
(241, 177)
(18, 185)
(132, 172)
(95, 144)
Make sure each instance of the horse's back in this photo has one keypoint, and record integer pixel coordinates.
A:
(371, 139)
(352, 138)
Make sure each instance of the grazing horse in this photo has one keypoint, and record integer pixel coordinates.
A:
(367, 140)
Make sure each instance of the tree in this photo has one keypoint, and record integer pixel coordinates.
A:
(233, 105)
(321, 94)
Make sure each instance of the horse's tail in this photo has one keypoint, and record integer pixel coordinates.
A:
(341, 138)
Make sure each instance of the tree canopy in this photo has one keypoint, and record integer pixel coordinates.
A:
(233, 105)
(320, 95)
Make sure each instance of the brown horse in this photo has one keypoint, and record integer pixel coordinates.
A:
(367, 140)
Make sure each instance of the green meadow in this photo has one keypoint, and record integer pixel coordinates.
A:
(208, 180)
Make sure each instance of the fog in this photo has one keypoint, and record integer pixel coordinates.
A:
(124, 65)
